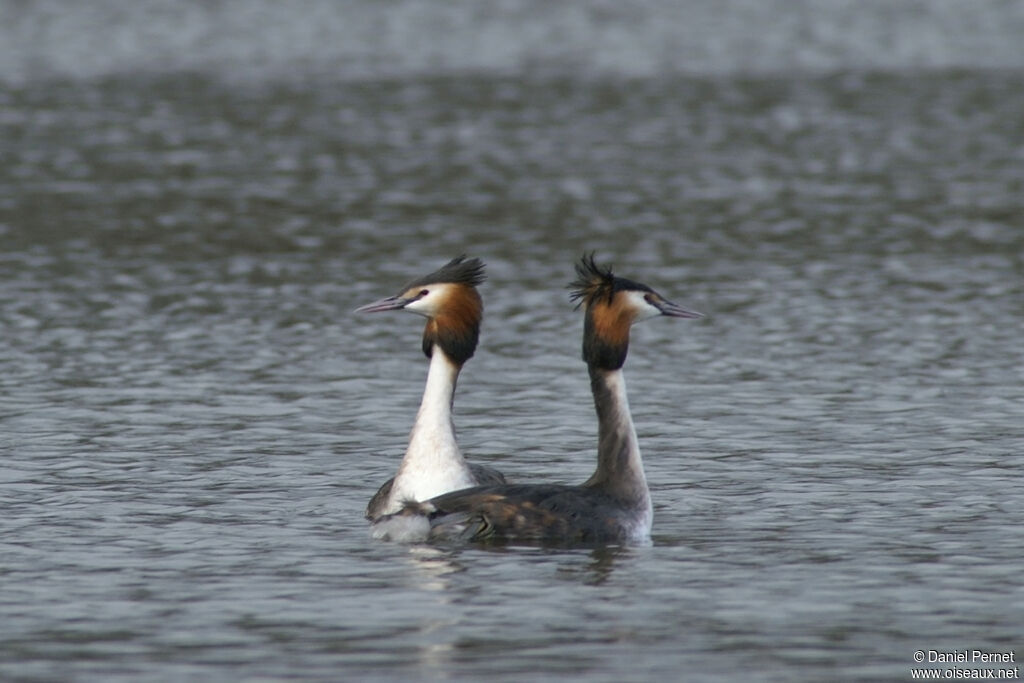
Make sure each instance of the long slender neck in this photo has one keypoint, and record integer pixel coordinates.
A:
(433, 463)
(620, 470)
(439, 393)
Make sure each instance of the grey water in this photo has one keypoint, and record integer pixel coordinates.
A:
(192, 202)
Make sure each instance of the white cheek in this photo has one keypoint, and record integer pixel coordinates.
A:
(422, 307)
(643, 309)
(429, 305)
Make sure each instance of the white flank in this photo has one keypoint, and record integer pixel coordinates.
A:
(401, 528)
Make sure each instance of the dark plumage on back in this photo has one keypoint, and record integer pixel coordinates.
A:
(551, 514)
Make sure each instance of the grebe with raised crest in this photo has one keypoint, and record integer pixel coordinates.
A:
(614, 504)
(433, 463)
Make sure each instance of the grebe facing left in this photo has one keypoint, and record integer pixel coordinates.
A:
(614, 504)
(433, 463)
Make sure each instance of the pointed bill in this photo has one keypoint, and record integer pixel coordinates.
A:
(391, 303)
(675, 310)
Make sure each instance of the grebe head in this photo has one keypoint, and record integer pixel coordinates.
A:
(611, 305)
(448, 299)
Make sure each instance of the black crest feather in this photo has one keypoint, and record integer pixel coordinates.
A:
(460, 270)
(595, 283)
(592, 283)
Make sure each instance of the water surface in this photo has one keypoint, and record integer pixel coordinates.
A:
(192, 419)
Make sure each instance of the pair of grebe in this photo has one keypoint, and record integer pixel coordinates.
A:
(437, 495)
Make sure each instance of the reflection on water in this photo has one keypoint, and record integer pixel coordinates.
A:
(599, 567)
(594, 566)
(433, 566)
(192, 419)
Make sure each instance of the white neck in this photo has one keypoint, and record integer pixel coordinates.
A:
(620, 469)
(433, 463)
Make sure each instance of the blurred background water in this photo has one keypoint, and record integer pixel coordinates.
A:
(194, 196)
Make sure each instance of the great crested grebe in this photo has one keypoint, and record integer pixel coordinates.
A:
(614, 504)
(433, 463)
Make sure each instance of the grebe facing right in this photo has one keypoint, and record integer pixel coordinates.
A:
(433, 463)
(614, 504)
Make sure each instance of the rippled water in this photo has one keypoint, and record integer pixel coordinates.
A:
(192, 420)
